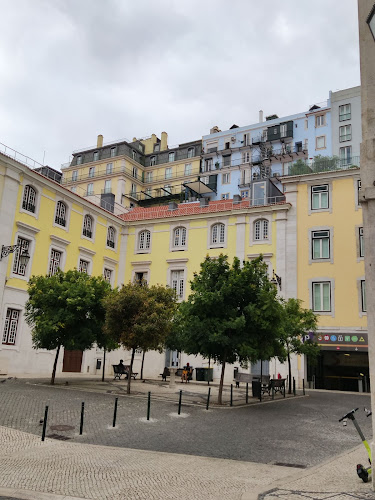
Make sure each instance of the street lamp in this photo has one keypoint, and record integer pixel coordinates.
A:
(24, 254)
(371, 21)
(276, 280)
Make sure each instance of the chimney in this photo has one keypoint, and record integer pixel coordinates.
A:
(99, 142)
(203, 202)
(214, 130)
(236, 199)
(172, 205)
(164, 141)
(260, 115)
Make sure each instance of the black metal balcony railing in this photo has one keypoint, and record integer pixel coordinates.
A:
(318, 165)
(60, 221)
(87, 233)
(110, 244)
(30, 207)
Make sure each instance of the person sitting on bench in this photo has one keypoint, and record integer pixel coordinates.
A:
(122, 366)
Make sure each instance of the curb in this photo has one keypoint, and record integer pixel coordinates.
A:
(35, 495)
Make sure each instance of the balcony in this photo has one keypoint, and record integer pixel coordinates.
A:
(100, 173)
(322, 164)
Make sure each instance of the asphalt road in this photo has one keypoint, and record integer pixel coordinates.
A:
(299, 432)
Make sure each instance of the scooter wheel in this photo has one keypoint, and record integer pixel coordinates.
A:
(362, 473)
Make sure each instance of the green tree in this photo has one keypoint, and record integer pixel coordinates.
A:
(325, 163)
(231, 314)
(140, 317)
(296, 323)
(299, 167)
(65, 310)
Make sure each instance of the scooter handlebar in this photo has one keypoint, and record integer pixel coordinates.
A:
(349, 415)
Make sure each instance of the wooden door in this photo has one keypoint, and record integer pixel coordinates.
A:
(72, 361)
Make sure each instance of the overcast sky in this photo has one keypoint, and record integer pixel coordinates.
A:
(71, 69)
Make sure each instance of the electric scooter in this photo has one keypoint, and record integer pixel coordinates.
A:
(362, 471)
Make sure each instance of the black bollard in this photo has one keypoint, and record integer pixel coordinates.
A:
(294, 386)
(148, 405)
(247, 392)
(82, 415)
(273, 390)
(179, 403)
(303, 386)
(208, 398)
(231, 394)
(45, 423)
(115, 413)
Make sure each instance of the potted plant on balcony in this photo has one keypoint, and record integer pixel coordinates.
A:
(217, 165)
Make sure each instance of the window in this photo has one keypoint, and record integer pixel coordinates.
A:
(92, 172)
(168, 173)
(10, 326)
(29, 198)
(218, 233)
(171, 156)
(133, 191)
(109, 168)
(113, 152)
(319, 120)
(225, 178)
(83, 266)
(208, 165)
(144, 240)
(134, 155)
(87, 226)
(179, 237)
(153, 160)
(361, 243)
(245, 194)
(320, 245)
(73, 189)
(107, 274)
(265, 135)
(90, 189)
(177, 278)
(283, 130)
(305, 144)
(140, 278)
(287, 167)
(227, 145)
(321, 142)
(322, 296)
(96, 155)
(205, 179)
(261, 230)
(319, 197)
(363, 295)
(345, 133)
(148, 192)
(54, 262)
(225, 196)
(148, 176)
(246, 140)
(74, 175)
(79, 160)
(111, 237)
(246, 157)
(156, 148)
(345, 156)
(345, 112)
(60, 215)
(226, 160)
(107, 186)
(190, 153)
(135, 172)
(167, 189)
(18, 268)
(188, 169)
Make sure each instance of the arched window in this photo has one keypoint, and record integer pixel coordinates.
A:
(87, 226)
(29, 199)
(111, 233)
(60, 215)
(179, 237)
(261, 229)
(218, 233)
(144, 240)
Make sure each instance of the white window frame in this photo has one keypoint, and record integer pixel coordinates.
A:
(29, 199)
(221, 234)
(109, 168)
(331, 283)
(261, 229)
(320, 120)
(108, 274)
(252, 221)
(363, 296)
(111, 237)
(345, 133)
(143, 240)
(225, 196)
(171, 156)
(15, 314)
(283, 130)
(344, 111)
(61, 207)
(84, 265)
(152, 161)
(225, 178)
(345, 158)
(188, 169)
(179, 238)
(113, 152)
(172, 246)
(88, 226)
(149, 176)
(75, 175)
(91, 172)
(208, 165)
(246, 157)
(54, 263)
(96, 156)
(179, 265)
(168, 173)
(18, 270)
(79, 160)
(317, 193)
(90, 189)
(135, 172)
(313, 236)
(108, 186)
(190, 152)
(177, 283)
(317, 141)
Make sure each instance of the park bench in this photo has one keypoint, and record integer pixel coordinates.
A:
(119, 371)
(166, 373)
(274, 386)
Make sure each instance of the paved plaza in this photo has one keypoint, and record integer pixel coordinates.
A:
(272, 449)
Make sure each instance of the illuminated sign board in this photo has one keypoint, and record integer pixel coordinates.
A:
(340, 342)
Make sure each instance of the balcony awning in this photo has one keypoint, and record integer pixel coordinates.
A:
(199, 187)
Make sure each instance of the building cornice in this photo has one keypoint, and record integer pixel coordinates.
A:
(319, 175)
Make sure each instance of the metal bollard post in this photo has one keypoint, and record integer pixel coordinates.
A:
(273, 391)
(208, 398)
(115, 413)
(82, 415)
(294, 386)
(231, 394)
(303, 386)
(247, 392)
(45, 423)
(148, 405)
(179, 403)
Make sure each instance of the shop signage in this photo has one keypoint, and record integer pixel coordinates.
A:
(340, 341)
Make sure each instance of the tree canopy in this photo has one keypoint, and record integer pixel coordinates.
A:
(67, 310)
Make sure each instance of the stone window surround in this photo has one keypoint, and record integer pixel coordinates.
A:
(60, 245)
(320, 228)
(210, 224)
(68, 205)
(356, 192)
(320, 280)
(252, 220)
(28, 233)
(20, 327)
(141, 267)
(116, 237)
(172, 227)
(266, 258)
(357, 228)
(137, 233)
(309, 186)
(38, 194)
(93, 228)
(359, 294)
(177, 265)
(86, 254)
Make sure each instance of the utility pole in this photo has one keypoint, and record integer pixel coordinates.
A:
(367, 195)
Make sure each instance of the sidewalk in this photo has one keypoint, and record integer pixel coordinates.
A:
(56, 470)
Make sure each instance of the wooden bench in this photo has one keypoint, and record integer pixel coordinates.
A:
(166, 373)
(119, 371)
(275, 385)
(249, 377)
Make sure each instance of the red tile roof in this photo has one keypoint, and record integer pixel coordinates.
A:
(184, 209)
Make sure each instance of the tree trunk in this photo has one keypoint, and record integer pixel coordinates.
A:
(103, 366)
(209, 366)
(55, 365)
(290, 375)
(130, 371)
(261, 379)
(143, 360)
(220, 396)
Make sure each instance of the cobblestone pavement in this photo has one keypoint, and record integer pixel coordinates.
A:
(301, 432)
(298, 495)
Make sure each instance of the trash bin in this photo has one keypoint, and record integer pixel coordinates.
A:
(199, 374)
(208, 374)
(256, 388)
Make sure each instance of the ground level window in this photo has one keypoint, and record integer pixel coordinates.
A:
(10, 326)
